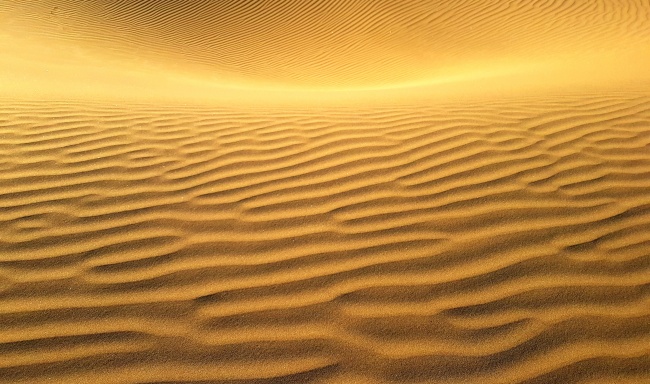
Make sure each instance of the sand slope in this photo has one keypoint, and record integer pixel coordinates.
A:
(345, 44)
(495, 242)
(324, 191)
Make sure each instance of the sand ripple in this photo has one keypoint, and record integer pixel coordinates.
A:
(502, 241)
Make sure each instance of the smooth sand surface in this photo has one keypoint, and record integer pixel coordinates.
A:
(296, 191)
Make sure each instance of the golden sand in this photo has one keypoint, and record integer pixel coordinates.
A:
(325, 191)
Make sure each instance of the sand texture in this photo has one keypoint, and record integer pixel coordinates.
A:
(364, 192)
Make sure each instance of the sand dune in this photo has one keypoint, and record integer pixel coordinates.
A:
(325, 192)
(207, 50)
(343, 43)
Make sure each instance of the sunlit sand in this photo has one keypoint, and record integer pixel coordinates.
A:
(324, 192)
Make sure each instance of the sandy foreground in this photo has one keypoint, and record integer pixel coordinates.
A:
(325, 191)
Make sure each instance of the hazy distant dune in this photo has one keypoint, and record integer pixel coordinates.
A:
(342, 43)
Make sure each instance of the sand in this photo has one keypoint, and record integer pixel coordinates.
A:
(325, 192)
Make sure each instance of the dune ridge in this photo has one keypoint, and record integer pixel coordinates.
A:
(501, 241)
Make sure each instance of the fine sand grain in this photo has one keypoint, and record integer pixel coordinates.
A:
(323, 192)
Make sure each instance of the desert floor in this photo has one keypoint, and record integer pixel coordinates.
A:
(301, 191)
